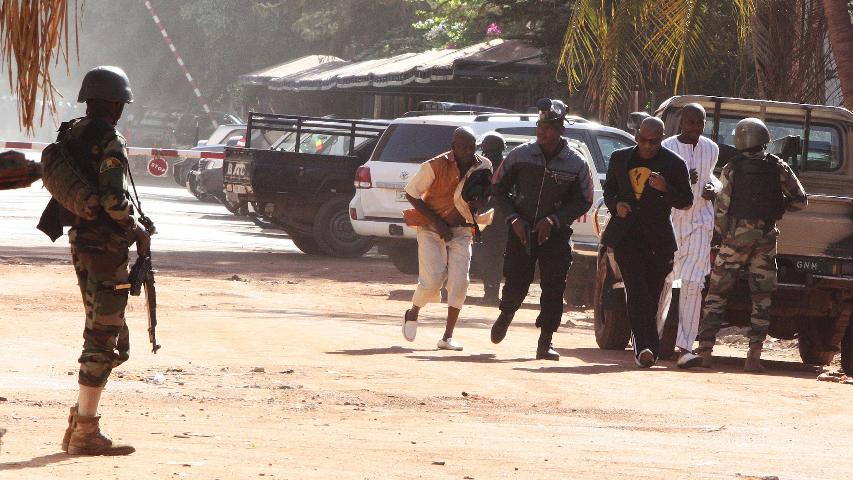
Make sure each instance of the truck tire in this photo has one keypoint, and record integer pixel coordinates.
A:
(404, 256)
(612, 330)
(306, 244)
(579, 290)
(333, 231)
(812, 349)
(847, 350)
(670, 329)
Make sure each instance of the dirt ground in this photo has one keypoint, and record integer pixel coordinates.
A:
(290, 366)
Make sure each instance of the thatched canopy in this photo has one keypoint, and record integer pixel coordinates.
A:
(33, 34)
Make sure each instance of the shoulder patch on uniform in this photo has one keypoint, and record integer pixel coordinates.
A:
(110, 162)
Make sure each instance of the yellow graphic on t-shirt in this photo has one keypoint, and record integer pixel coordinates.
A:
(639, 176)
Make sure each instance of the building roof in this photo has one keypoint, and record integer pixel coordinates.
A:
(290, 68)
(317, 72)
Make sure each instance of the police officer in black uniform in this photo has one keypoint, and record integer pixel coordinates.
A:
(542, 187)
(493, 238)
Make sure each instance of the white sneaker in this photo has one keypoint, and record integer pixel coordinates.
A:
(449, 344)
(645, 359)
(689, 360)
(410, 327)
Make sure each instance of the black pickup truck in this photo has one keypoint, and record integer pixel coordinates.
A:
(304, 183)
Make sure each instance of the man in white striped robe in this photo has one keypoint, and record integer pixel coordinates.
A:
(693, 229)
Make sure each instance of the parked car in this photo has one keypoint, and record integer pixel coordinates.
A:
(815, 246)
(303, 184)
(154, 128)
(376, 209)
(224, 136)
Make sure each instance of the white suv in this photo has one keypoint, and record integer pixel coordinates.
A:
(376, 209)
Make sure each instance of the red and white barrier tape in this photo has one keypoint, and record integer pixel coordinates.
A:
(153, 152)
(193, 84)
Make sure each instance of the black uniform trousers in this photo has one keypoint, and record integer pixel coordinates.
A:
(644, 271)
(554, 258)
(491, 255)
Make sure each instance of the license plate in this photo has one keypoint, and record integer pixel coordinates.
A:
(401, 196)
(814, 265)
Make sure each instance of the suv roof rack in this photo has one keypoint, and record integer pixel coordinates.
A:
(524, 117)
(422, 113)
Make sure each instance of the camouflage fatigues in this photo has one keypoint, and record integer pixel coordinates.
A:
(99, 249)
(749, 244)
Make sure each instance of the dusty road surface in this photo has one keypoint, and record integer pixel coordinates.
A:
(281, 365)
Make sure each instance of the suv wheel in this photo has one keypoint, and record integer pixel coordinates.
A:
(306, 244)
(813, 350)
(670, 328)
(612, 330)
(404, 256)
(333, 231)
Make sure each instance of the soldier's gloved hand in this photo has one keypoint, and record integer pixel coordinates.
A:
(143, 241)
(520, 229)
(543, 230)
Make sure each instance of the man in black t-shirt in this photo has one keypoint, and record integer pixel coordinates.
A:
(644, 183)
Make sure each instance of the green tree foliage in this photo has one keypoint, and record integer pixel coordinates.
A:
(219, 40)
(766, 48)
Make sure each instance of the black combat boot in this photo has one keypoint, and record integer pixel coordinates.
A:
(500, 326)
(492, 295)
(545, 351)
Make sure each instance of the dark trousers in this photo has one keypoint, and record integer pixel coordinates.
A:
(644, 271)
(554, 258)
(490, 251)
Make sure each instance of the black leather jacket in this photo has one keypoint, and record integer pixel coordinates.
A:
(527, 186)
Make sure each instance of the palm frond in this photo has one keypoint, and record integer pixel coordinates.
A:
(600, 53)
(33, 35)
(676, 38)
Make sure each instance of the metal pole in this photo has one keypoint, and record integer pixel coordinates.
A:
(199, 97)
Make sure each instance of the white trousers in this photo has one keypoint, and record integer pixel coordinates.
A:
(689, 311)
(440, 262)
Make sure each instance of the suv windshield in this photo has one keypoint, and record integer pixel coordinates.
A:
(824, 140)
(413, 143)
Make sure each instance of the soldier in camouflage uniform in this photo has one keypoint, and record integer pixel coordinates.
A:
(99, 249)
(757, 190)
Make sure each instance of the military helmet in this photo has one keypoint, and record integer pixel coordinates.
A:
(106, 83)
(492, 141)
(751, 133)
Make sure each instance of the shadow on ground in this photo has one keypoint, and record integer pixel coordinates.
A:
(614, 361)
(36, 462)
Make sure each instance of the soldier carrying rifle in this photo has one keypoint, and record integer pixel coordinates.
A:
(91, 193)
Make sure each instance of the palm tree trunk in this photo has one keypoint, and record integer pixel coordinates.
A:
(841, 39)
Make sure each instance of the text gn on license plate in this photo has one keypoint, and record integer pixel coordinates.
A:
(401, 196)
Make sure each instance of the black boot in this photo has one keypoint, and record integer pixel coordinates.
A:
(492, 295)
(500, 326)
(545, 351)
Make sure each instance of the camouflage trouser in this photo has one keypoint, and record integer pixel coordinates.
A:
(106, 340)
(753, 247)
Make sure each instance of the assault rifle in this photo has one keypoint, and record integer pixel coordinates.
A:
(142, 277)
